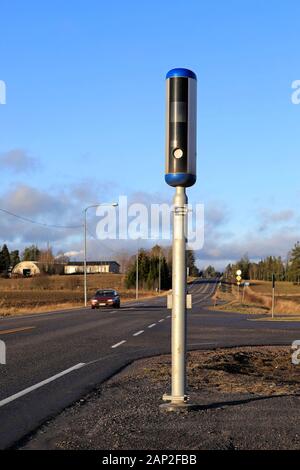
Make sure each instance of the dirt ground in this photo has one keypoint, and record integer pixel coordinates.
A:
(248, 399)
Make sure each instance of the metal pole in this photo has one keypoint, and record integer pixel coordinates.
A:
(273, 294)
(178, 395)
(273, 301)
(159, 273)
(114, 204)
(137, 276)
(84, 262)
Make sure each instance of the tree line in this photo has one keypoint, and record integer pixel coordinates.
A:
(263, 270)
(9, 259)
(155, 266)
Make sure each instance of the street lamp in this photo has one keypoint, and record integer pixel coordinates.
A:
(159, 272)
(137, 276)
(114, 204)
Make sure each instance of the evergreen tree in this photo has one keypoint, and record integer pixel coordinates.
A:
(31, 253)
(190, 261)
(244, 266)
(14, 258)
(294, 264)
(148, 270)
(4, 259)
(209, 272)
(261, 271)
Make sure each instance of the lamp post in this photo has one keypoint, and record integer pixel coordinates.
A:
(159, 272)
(137, 276)
(114, 204)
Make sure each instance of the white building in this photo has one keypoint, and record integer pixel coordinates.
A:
(92, 267)
(26, 269)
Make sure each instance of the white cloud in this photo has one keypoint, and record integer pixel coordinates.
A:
(65, 207)
(73, 253)
(269, 218)
(279, 243)
(18, 161)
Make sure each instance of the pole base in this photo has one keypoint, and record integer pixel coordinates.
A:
(177, 403)
(180, 399)
(178, 407)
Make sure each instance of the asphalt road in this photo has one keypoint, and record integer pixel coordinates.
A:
(55, 358)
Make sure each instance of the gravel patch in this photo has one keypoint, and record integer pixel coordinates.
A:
(248, 399)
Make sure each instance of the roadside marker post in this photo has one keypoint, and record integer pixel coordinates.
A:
(273, 293)
(246, 284)
(181, 114)
(238, 281)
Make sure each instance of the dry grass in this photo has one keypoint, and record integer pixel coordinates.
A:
(57, 283)
(287, 296)
(281, 304)
(258, 299)
(266, 370)
(283, 288)
(12, 311)
(47, 293)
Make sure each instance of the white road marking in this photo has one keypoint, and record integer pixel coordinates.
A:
(206, 296)
(152, 325)
(118, 344)
(160, 321)
(138, 333)
(40, 384)
(203, 299)
(169, 316)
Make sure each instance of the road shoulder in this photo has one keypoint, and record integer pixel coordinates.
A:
(248, 399)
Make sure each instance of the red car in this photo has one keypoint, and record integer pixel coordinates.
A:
(106, 298)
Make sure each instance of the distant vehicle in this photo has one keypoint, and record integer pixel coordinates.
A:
(106, 298)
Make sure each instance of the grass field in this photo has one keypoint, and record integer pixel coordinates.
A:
(38, 294)
(283, 289)
(257, 298)
(287, 296)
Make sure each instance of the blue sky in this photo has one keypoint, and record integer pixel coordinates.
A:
(86, 107)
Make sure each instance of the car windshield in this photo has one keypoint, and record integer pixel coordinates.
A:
(106, 293)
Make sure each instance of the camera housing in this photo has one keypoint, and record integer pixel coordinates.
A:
(181, 123)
